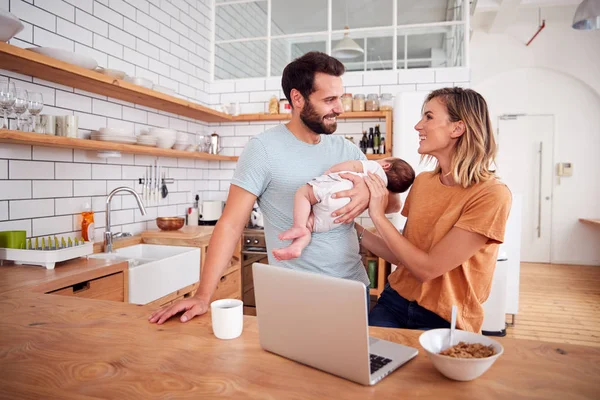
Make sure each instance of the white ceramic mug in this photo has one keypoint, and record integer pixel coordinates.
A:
(47, 125)
(227, 318)
(67, 125)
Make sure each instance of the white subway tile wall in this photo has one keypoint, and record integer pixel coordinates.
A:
(43, 190)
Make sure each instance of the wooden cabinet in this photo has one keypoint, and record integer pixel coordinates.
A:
(230, 283)
(110, 287)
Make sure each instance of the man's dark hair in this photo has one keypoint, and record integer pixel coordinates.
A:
(300, 73)
(400, 176)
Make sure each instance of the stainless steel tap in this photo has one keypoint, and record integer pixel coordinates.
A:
(108, 237)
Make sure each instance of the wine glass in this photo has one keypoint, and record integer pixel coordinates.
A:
(34, 106)
(20, 106)
(8, 96)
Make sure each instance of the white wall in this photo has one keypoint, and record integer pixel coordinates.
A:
(557, 74)
(42, 190)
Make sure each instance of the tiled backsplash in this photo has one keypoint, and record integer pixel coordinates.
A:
(43, 190)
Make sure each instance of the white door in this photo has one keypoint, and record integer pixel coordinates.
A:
(525, 164)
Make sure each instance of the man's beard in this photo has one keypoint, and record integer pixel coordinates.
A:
(315, 122)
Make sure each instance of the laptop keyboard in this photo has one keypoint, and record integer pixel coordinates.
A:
(377, 362)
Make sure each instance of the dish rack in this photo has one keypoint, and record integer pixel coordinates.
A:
(45, 258)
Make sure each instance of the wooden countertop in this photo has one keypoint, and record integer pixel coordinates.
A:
(64, 347)
(39, 279)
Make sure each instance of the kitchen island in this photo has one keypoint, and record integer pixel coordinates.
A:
(73, 348)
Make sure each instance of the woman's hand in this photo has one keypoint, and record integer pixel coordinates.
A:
(379, 195)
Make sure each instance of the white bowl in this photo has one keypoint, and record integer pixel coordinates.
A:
(66, 56)
(459, 369)
(178, 146)
(116, 131)
(9, 26)
(163, 132)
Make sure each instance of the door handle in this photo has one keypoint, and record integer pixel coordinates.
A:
(539, 227)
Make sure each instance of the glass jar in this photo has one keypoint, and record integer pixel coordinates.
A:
(386, 102)
(358, 104)
(347, 102)
(274, 105)
(372, 103)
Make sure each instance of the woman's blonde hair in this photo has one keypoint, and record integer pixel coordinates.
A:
(475, 149)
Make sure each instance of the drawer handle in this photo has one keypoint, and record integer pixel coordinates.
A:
(223, 278)
(80, 287)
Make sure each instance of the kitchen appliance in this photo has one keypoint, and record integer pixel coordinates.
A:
(256, 217)
(254, 249)
(210, 212)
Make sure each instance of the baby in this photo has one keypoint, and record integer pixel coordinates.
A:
(396, 173)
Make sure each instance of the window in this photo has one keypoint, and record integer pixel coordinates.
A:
(258, 38)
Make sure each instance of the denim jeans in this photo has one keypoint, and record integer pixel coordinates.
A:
(394, 311)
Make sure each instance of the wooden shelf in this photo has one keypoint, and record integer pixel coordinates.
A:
(26, 62)
(283, 117)
(37, 139)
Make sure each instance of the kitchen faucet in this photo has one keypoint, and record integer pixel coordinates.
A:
(108, 238)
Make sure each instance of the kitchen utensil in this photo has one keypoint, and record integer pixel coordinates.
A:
(459, 369)
(215, 144)
(47, 124)
(170, 223)
(67, 125)
(46, 258)
(227, 318)
(164, 191)
(79, 60)
(13, 239)
(9, 25)
(452, 325)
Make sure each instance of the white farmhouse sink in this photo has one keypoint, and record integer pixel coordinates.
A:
(157, 270)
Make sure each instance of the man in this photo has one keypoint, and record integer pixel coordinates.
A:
(272, 167)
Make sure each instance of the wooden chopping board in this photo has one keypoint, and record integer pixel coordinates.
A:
(186, 236)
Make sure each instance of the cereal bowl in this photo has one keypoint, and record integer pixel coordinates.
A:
(459, 369)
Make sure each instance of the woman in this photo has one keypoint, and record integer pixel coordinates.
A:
(456, 216)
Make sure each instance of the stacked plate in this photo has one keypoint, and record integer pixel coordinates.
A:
(165, 138)
(116, 135)
(146, 139)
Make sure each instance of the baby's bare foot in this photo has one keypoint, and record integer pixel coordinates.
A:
(286, 253)
(294, 232)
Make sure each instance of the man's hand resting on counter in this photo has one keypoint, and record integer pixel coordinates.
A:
(192, 307)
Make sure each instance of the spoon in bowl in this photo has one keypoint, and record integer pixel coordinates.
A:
(453, 325)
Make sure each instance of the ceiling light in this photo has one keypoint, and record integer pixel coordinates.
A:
(347, 48)
(587, 16)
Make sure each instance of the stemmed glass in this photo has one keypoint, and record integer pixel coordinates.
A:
(8, 95)
(20, 106)
(34, 106)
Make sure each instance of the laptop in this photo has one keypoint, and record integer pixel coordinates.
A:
(322, 322)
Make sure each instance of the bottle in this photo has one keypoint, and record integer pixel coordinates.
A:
(382, 145)
(363, 142)
(376, 139)
(87, 223)
(370, 142)
(193, 216)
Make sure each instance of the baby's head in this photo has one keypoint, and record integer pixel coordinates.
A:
(399, 173)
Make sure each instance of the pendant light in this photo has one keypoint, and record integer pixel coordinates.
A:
(347, 49)
(587, 15)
